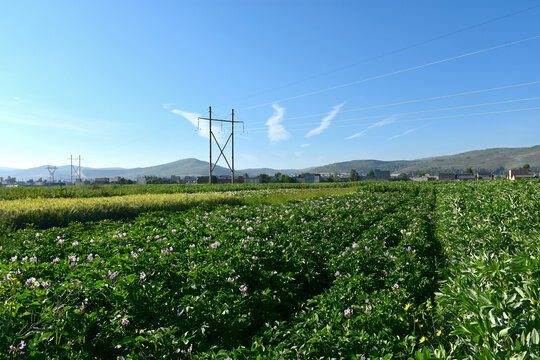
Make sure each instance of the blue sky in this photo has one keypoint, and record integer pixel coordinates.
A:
(316, 82)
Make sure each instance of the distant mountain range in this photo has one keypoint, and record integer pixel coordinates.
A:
(496, 160)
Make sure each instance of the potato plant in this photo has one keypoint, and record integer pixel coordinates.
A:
(173, 282)
(391, 271)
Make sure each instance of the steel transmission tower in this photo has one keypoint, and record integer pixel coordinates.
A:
(212, 138)
(75, 170)
(51, 170)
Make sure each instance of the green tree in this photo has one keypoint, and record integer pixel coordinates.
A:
(526, 167)
(286, 179)
(371, 173)
(264, 178)
(124, 181)
(354, 175)
(469, 171)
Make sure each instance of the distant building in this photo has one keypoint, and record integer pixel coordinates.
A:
(465, 177)
(446, 177)
(141, 180)
(177, 179)
(252, 180)
(399, 177)
(190, 179)
(202, 179)
(101, 181)
(312, 178)
(224, 179)
(520, 174)
(381, 174)
(484, 176)
(426, 177)
(309, 179)
(56, 183)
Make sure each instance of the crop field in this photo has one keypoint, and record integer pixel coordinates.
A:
(90, 191)
(372, 271)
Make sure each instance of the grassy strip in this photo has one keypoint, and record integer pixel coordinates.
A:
(122, 190)
(44, 213)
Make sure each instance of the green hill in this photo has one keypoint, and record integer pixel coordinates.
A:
(182, 167)
(497, 160)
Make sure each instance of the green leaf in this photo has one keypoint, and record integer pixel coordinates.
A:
(535, 338)
(126, 340)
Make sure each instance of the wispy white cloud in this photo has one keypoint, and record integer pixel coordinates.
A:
(203, 126)
(383, 122)
(168, 106)
(193, 118)
(13, 118)
(406, 132)
(276, 131)
(325, 122)
(17, 99)
(305, 145)
(297, 154)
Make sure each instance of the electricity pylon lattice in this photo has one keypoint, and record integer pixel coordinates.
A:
(212, 138)
(51, 170)
(76, 170)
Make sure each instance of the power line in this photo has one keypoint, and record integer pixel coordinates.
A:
(417, 112)
(401, 49)
(424, 119)
(411, 101)
(395, 72)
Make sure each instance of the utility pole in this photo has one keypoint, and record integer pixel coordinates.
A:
(71, 168)
(212, 138)
(232, 146)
